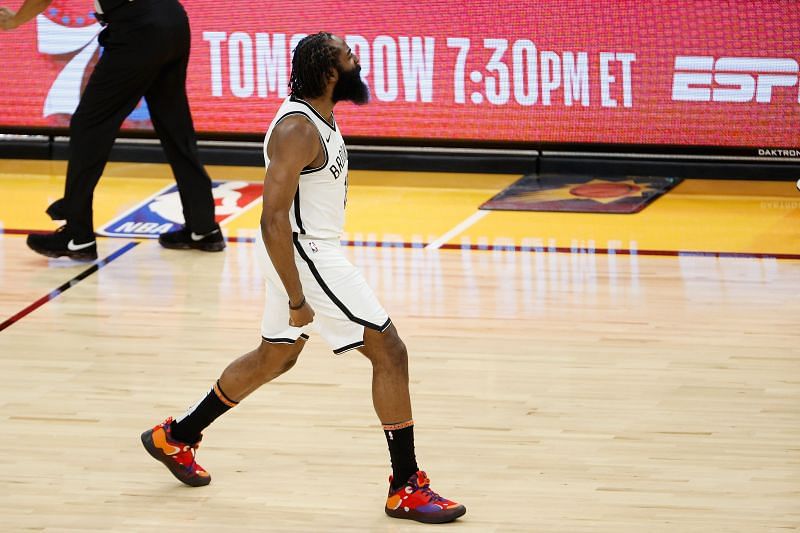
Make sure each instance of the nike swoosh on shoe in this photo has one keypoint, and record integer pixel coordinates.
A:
(72, 247)
(196, 237)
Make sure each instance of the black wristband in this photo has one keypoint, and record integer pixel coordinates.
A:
(298, 306)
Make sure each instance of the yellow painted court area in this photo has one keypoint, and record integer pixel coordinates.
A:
(719, 216)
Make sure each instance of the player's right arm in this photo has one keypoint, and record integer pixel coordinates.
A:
(293, 145)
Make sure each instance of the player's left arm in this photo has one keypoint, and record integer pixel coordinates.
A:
(10, 20)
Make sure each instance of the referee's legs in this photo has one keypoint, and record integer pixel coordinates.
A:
(172, 120)
(114, 88)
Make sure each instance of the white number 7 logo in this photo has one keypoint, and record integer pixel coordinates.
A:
(55, 39)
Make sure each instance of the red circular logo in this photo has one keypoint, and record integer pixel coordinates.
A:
(604, 190)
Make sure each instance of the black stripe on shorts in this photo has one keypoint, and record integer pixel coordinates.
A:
(349, 347)
(286, 340)
(329, 292)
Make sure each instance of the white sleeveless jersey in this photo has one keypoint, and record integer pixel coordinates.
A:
(318, 206)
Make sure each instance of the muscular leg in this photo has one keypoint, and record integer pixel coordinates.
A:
(392, 402)
(391, 399)
(262, 365)
(389, 359)
(238, 380)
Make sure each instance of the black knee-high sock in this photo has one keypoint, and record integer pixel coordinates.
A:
(400, 438)
(188, 427)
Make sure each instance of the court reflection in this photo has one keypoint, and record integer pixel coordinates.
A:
(497, 282)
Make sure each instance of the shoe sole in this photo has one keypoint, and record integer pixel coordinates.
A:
(428, 518)
(172, 466)
(77, 256)
(211, 247)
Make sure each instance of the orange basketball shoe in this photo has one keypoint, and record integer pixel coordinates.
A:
(177, 456)
(416, 501)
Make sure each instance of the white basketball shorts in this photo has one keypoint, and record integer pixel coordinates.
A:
(343, 303)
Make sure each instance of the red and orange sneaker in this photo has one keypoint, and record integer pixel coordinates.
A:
(416, 501)
(177, 456)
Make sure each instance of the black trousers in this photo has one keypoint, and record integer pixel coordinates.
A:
(146, 53)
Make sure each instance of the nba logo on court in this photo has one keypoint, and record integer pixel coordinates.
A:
(163, 211)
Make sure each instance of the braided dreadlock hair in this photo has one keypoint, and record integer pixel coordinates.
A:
(313, 59)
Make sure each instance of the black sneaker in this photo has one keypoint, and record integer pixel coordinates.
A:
(63, 243)
(185, 239)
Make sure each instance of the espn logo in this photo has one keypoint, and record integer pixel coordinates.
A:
(731, 79)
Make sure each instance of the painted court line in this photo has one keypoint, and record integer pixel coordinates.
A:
(97, 265)
(458, 229)
(517, 248)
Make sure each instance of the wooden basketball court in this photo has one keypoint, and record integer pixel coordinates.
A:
(570, 372)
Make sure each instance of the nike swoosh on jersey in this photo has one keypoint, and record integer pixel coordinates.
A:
(72, 247)
(329, 137)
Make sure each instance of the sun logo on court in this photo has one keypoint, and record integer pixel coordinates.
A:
(598, 190)
(580, 193)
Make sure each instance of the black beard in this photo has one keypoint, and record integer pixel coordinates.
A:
(350, 87)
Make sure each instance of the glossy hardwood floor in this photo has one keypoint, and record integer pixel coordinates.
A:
(553, 392)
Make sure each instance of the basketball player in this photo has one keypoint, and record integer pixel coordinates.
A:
(311, 283)
(145, 53)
